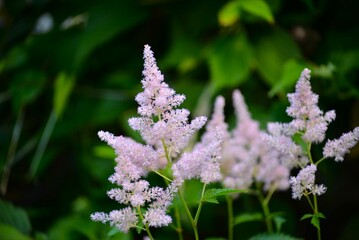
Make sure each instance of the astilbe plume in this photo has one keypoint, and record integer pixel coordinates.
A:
(247, 157)
(310, 125)
(160, 123)
(203, 162)
(339, 147)
(166, 131)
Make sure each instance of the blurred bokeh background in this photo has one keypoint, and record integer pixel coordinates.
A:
(71, 68)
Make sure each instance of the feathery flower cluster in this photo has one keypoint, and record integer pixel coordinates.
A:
(166, 131)
(304, 183)
(311, 124)
(246, 157)
(339, 147)
(203, 161)
(160, 123)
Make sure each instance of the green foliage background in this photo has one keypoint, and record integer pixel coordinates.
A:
(59, 87)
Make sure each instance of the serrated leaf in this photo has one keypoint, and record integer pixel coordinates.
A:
(211, 194)
(306, 216)
(63, 86)
(229, 14)
(273, 236)
(247, 217)
(257, 8)
(14, 217)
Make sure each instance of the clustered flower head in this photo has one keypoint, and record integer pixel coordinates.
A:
(304, 183)
(246, 157)
(310, 124)
(203, 162)
(166, 131)
(160, 123)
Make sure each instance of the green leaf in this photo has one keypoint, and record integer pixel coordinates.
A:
(211, 194)
(279, 221)
(272, 51)
(230, 60)
(229, 14)
(247, 217)
(290, 74)
(320, 215)
(26, 87)
(257, 8)
(315, 221)
(14, 217)
(9, 233)
(273, 236)
(63, 86)
(306, 216)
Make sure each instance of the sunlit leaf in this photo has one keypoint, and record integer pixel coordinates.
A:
(229, 14)
(258, 8)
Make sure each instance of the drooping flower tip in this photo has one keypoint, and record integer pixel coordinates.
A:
(337, 148)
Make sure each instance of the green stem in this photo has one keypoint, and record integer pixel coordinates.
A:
(316, 212)
(200, 205)
(309, 145)
(178, 221)
(266, 211)
(310, 202)
(167, 180)
(145, 224)
(189, 215)
(319, 161)
(230, 216)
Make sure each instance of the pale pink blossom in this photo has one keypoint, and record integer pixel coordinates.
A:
(304, 183)
(339, 147)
